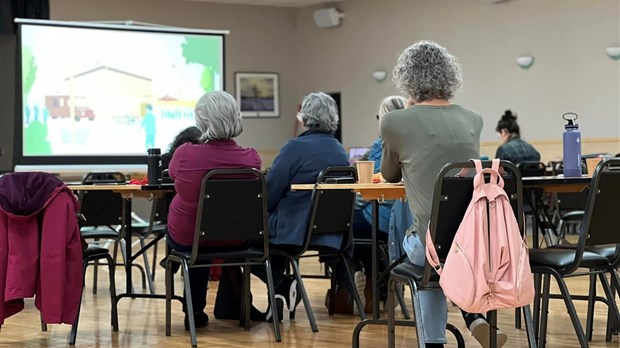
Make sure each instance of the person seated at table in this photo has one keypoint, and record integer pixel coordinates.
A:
(219, 120)
(362, 218)
(299, 162)
(513, 148)
(417, 142)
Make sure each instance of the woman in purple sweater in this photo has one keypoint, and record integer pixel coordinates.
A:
(219, 120)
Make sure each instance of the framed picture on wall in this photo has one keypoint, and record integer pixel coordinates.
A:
(257, 94)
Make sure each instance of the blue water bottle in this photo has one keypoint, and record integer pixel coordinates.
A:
(572, 146)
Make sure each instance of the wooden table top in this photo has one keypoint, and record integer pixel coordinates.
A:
(127, 191)
(379, 191)
(557, 183)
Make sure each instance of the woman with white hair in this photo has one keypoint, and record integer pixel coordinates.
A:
(417, 142)
(219, 120)
(300, 161)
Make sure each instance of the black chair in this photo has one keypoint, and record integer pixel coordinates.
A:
(331, 214)
(232, 207)
(451, 198)
(598, 250)
(103, 211)
(568, 208)
(91, 254)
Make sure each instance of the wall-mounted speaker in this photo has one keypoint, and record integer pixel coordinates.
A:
(327, 18)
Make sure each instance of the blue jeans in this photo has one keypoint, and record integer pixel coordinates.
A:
(433, 303)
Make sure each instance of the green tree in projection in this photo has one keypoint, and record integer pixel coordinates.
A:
(29, 71)
(204, 51)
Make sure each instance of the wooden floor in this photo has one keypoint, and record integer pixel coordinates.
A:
(142, 323)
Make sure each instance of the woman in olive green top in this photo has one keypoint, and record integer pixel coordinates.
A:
(417, 142)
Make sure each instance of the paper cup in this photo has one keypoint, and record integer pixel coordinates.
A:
(365, 170)
(591, 163)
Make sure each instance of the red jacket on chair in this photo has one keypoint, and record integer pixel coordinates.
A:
(40, 249)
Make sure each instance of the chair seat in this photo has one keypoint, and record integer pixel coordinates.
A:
(409, 270)
(94, 250)
(559, 258)
(608, 251)
(574, 215)
(142, 229)
(220, 253)
(99, 232)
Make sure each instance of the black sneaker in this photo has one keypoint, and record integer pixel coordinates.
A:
(279, 307)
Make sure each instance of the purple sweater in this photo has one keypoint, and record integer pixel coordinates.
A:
(188, 166)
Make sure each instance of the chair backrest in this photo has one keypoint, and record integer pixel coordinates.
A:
(598, 227)
(332, 211)
(232, 207)
(451, 198)
(101, 208)
(532, 168)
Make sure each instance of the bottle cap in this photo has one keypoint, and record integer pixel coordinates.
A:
(154, 151)
(570, 117)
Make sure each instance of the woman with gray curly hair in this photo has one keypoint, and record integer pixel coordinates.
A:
(219, 120)
(417, 142)
(300, 161)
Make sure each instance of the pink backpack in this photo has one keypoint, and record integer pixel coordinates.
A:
(486, 271)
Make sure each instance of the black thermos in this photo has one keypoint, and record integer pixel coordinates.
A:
(153, 162)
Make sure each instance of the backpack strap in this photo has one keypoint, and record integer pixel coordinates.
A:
(431, 254)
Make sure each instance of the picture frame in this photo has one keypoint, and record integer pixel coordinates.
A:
(257, 94)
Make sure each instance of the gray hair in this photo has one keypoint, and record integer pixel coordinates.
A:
(426, 71)
(218, 116)
(319, 111)
(391, 103)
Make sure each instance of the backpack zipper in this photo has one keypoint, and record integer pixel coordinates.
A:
(489, 234)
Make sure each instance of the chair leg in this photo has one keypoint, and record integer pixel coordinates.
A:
(417, 314)
(43, 324)
(95, 272)
(529, 326)
(583, 342)
(74, 327)
(393, 287)
(304, 295)
(401, 302)
(147, 268)
(332, 297)
(613, 307)
(154, 266)
(247, 299)
(591, 303)
(114, 309)
(169, 290)
(188, 303)
(356, 295)
(542, 339)
(272, 299)
(536, 316)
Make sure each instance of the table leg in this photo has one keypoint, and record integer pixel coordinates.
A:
(375, 281)
(127, 230)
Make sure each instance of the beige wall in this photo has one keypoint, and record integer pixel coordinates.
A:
(567, 37)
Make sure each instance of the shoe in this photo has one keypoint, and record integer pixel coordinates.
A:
(480, 330)
(201, 319)
(359, 278)
(289, 290)
(280, 309)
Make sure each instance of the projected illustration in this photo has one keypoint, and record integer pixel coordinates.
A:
(111, 92)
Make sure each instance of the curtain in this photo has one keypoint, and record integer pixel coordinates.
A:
(11, 9)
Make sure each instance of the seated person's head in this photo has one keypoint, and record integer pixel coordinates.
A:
(218, 116)
(426, 71)
(188, 135)
(390, 104)
(319, 113)
(507, 127)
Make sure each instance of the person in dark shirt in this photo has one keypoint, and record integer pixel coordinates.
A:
(513, 148)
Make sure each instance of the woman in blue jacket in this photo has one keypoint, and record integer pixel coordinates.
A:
(300, 161)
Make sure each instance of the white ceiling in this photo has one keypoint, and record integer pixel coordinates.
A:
(283, 3)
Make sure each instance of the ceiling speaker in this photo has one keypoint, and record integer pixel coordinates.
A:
(327, 18)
